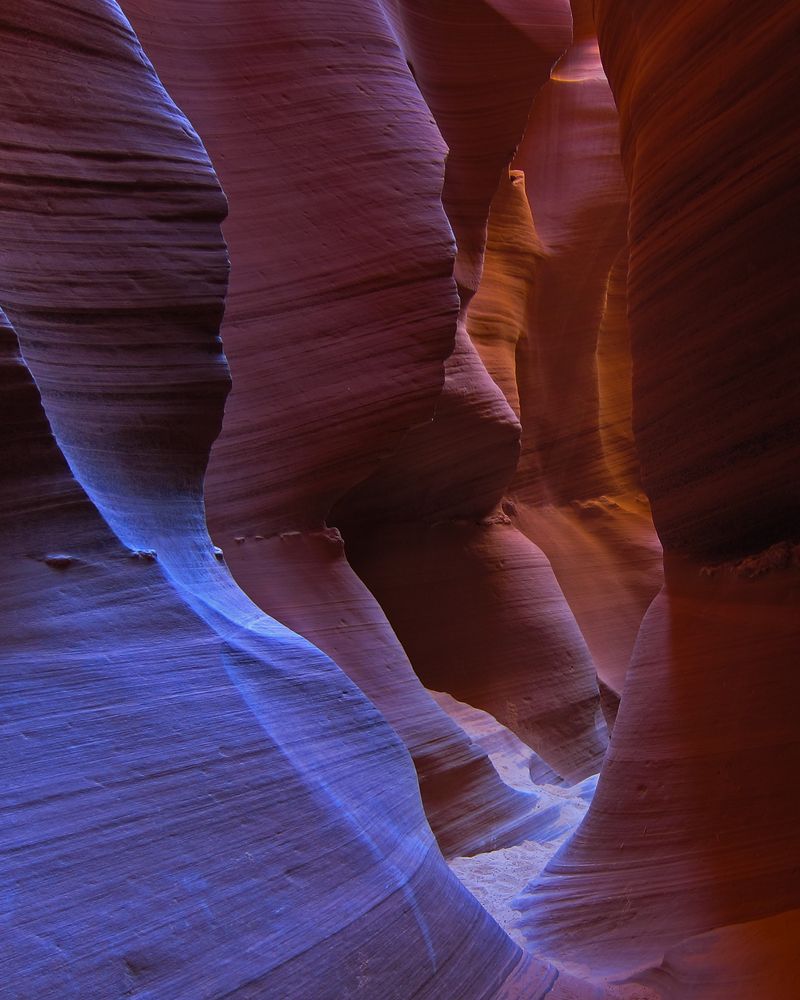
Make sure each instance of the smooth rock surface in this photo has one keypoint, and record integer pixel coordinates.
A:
(340, 312)
(692, 827)
(171, 795)
(506, 314)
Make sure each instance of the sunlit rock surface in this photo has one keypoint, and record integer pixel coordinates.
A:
(557, 265)
(506, 294)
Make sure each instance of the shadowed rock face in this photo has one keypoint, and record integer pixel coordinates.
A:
(549, 323)
(171, 795)
(691, 829)
(478, 70)
(428, 525)
(341, 310)
(486, 378)
(201, 802)
(712, 293)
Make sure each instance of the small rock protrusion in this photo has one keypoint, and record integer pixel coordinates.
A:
(509, 507)
(145, 555)
(59, 560)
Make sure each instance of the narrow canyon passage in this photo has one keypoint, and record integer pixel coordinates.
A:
(400, 500)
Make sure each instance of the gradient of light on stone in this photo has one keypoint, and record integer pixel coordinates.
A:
(549, 323)
(425, 530)
(576, 190)
(692, 829)
(340, 311)
(200, 802)
(478, 69)
(711, 287)
(172, 793)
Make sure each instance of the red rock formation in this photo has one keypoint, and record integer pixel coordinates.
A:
(614, 381)
(424, 531)
(551, 329)
(323, 599)
(478, 70)
(570, 158)
(340, 311)
(756, 959)
(711, 280)
(691, 828)
(481, 615)
(200, 801)
(114, 269)
(171, 793)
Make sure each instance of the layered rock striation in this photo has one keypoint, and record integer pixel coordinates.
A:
(341, 310)
(691, 829)
(200, 802)
(505, 313)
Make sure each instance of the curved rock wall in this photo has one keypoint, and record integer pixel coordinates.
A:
(340, 312)
(172, 794)
(549, 323)
(570, 158)
(199, 802)
(711, 285)
(691, 829)
(478, 69)
(426, 530)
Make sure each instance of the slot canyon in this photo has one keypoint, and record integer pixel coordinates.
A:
(400, 500)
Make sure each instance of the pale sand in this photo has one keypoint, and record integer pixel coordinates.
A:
(497, 877)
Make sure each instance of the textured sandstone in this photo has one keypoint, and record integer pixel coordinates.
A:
(425, 530)
(198, 802)
(692, 828)
(712, 289)
(481, 615)
(340, 312)
(739, 962)
(549, 323)
(498, 314)
(172, 794)
(570, 159)
(478, 70)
